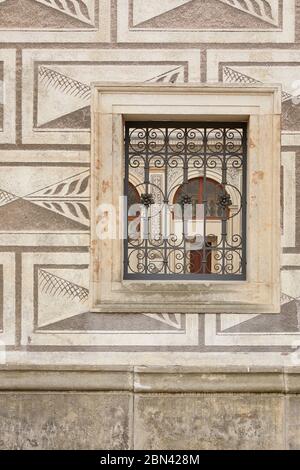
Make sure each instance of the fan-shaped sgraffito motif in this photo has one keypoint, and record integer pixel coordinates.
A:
(233, 76)
(259, 8)
(173, 320)
(6, 197)
(56, 286)
(73, 111)
(53, 285)
(72, 210)
(69, 197)
(80, 9)
(172, 76)
(65, 84)
(66, 188)
(73, 87)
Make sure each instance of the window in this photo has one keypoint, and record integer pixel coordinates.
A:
(199, 231)
(186, 190)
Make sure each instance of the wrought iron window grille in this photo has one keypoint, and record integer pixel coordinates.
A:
(196, 170)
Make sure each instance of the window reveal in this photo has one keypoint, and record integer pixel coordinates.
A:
(185, 185)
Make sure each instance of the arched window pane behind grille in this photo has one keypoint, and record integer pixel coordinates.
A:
(186, 188)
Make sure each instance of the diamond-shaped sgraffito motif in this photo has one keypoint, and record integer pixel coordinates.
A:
(62, 14)
(201, 14)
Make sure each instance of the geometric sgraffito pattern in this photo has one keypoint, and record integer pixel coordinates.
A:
(56, 311)
(53, 50)
(233, 76)
(64, 87)
(57, 286)
(6, 197)
(260, 66)
(284, 70)
(290, 99)
(36, 206)
(69, 197)
(65, 84)
(264, 10)
(248, 21)
(80, 9)
(57, 87)
(38, 20)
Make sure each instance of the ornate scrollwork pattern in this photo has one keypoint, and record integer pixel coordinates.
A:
(190, 185)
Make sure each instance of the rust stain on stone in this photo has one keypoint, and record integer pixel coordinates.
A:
(105, 185)
(96, 268)
(93, 246)
(257, 176)
(251, 143)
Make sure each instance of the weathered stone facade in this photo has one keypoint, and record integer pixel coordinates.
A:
(149, 408)
(50, 53)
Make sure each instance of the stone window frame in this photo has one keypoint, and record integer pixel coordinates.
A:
(260, 105)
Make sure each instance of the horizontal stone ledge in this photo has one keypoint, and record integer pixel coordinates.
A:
(66, 380)
(237, 379)
(210, 382)
(176, 379)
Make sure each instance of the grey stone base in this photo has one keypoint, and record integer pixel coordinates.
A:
(65, 420)
(149, 409)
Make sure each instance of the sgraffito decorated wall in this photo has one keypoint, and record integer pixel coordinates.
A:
(50, 53)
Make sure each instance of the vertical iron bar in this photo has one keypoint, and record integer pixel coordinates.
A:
(126, 181)
(204, 203)
(166, 201)
(224, 221)
(185, 185)
(146, 182)
(244, 200)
